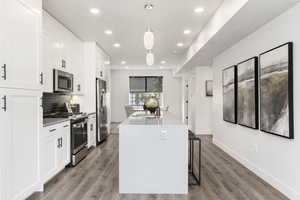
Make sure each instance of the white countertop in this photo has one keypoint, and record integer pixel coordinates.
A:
(143, 118)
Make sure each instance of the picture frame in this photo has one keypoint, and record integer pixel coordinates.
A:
(229, 94)
(247, 93)
(209, 88)
(276, 91)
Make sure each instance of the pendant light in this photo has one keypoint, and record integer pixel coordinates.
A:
(150, 58)
(149, 39)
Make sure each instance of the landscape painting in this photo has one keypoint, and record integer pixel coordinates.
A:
(247, 93)
(229, 94)
(276, 82)
(209, 88)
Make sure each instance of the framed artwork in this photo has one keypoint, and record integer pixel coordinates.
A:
(276, 91)
(229, 94)
(209, 88)
(247, 93)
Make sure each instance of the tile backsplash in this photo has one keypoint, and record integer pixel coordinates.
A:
(54, 102)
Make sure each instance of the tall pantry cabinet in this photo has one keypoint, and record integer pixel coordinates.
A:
(20, 97)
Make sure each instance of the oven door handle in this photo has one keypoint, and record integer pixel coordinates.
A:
(77, 125)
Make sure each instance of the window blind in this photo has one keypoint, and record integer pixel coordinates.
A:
(146, 84)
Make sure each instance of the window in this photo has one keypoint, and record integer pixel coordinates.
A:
(139, 99)
(143, 88)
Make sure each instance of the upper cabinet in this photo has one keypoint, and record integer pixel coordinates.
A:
(20, 44)
(102, 66)
(61, 50)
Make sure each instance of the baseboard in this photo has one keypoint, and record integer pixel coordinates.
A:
(275, 182)
(203, 132)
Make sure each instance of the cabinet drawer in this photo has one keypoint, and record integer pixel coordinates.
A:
(53, 130)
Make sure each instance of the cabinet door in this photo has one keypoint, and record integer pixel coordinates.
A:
(47, 157)
(91, 132)
(4, 124)
(20, 122)
(66, 144)
(22, 45)
(48, 62)
(63, 147)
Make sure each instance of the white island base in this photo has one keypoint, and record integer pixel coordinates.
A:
(153, 155)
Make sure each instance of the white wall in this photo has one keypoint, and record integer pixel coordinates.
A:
(273, 158)
(199, 104)
(202, 102)
(120, 90)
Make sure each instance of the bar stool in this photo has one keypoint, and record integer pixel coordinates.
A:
(192, 139)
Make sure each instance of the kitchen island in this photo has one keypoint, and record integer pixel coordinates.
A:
(153, 155)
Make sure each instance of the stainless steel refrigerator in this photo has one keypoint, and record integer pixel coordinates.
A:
(101, 111)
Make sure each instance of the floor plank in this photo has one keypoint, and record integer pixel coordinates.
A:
(96, 178)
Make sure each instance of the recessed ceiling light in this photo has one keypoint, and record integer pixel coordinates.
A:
(198, 10)
(108, 32)
(163, 62)
(117, 45)
(126, 67)
(107, 62)
(149, 6)
(180, 44)
(187, 32)
(123, 62)
(94, 11)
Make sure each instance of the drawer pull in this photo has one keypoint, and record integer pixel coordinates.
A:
(4, 103)
(65, 126)
(4, 72)
(52, 130)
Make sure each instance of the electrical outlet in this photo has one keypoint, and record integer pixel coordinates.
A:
(256, 148)
(163, 135)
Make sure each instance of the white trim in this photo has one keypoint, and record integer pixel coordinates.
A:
(203, 132)
(140, 67)
(275, 182)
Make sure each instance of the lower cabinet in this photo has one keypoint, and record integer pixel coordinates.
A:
(55, 150)
(20, 114)
(92, 131)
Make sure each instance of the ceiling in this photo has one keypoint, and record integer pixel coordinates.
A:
(243, 23)
(128, 21)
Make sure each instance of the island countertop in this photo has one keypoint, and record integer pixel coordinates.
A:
(153, 155)
(144, 118)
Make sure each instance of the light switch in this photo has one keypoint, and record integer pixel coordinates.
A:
(163, 135)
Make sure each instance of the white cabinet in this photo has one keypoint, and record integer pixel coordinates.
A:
(20, 122)
(92, 131)
(55, 149)
(20, 54)
(63, 146)
(61, 50)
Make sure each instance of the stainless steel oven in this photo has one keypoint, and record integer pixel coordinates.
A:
(79, 130)
(63, 81)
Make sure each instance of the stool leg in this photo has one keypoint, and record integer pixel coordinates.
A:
(192, 157)
(199, 162)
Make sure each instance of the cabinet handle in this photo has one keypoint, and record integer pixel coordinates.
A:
(4, 98)
(61, 142)
(4, 72)
(58, 143)
(65, 126)
(91, 127)
(42, 78)
(52, 130)
(63, 63)
(78, 87)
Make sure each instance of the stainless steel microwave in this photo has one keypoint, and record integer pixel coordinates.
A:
(63, 81)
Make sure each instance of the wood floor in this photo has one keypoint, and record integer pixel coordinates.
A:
(96, 178)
